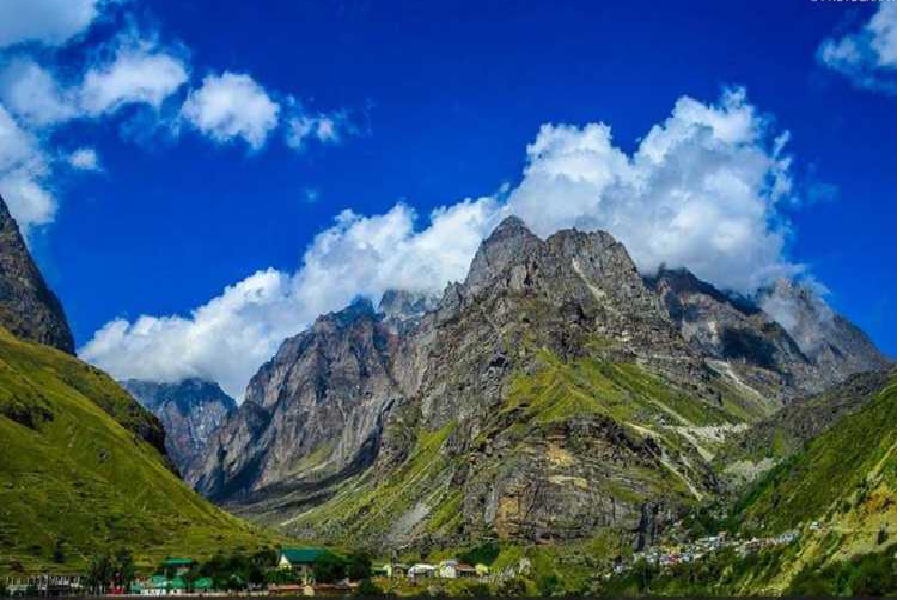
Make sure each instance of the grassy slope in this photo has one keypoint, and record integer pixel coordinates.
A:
(852, 458)
(363, 509)
(846, 478)
(78, 475)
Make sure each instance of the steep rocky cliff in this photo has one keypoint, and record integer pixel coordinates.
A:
(28, 308)
(191, 411)
(554, 394)
(313, 410)
(784, 344)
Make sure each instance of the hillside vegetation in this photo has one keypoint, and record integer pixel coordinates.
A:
(615, 425)
(78, 475)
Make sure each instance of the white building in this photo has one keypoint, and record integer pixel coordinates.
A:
(421, 571)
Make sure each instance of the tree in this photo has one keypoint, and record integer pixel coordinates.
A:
(100, 572)
(328, 568)
(58, 555)
(367, 589)
(125, 567)
(359, 566)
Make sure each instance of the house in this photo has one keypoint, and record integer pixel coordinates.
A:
(447, 568)
(384, 570)
(178, 585)
(177, 567)
(158, 585)
(203, 584)
(464, 571)
(787, 537)
(300, 561)
(421, 571)
(389, 570)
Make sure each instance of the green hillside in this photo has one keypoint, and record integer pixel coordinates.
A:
(419, 497)
(845, 479)
(78, 476)
(836, 471)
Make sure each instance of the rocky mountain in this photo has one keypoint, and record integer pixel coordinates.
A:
(784, 344)
(312, 410)
(554, 394)
(28, 308)
(190, 410)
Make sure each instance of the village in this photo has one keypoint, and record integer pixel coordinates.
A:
(320, 572)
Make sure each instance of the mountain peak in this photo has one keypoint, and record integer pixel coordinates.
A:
(28, 308)
(511, 226)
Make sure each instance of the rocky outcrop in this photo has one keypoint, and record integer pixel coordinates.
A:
(308, 412)
(787, 430)
(190, 410)
(28, 308)
(402, 310)
(786, 343)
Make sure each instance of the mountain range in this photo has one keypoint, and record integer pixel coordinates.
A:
(553, 395)
(556, 403)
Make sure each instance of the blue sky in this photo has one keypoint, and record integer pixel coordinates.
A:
(183, 188)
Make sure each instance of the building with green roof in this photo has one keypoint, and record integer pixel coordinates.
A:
(177, 585)
(203, 584)
(300, 561)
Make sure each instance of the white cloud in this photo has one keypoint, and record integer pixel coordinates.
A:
(33, 94)
(139, 72)
(867, 57)
(85, 159)
(24, 169)
(700, 191)
(231, 106)
(327, 128)
(228, 338)
(51, 22)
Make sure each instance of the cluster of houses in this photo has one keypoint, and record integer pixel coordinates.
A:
(445, 569)
(669, 556)
(301, 562)
(172, 580)
(44, 585)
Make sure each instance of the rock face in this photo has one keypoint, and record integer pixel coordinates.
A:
(785, 344)
(28, 308)
(313, 410)
(190, 410)
(552, 394)
(787, 430)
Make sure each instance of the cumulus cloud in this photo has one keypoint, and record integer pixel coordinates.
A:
(85, 159)
(33, 93)
(867, 57)
(24, 169)
(35, 103)
(701, 191)
(51, 22)
(232, 106)
(228, 338)
(138, 72)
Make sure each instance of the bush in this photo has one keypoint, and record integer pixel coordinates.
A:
(328, 568)
(358, 566)
(367, 589)
(485, 554)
